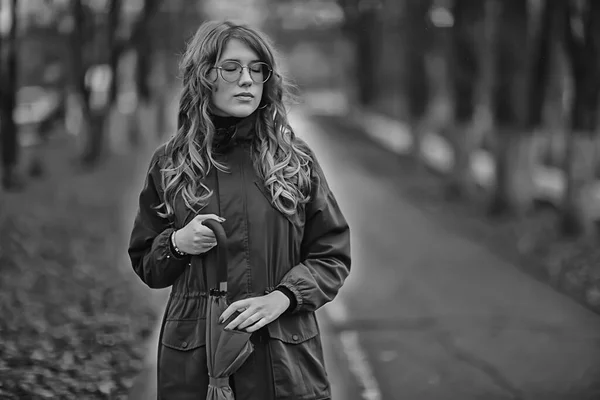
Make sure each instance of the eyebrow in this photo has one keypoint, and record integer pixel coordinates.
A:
(238, 60)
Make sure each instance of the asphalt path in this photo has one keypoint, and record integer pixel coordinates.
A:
(427, 314)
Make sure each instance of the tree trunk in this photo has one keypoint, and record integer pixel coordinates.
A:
(366, 55)
(143, 48)
(554, 113)
(8, 100)
(503, 200)
(417, 85)
(582, 42)
(487, 47)
(360, 27)
(440, 107)
(462, 59)
(143, 55)
(143, 71)
(539, 61)
(92, 137)
(519, 99)
(93, 152)
(114, 11)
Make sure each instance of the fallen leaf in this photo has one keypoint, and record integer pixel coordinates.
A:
(107, 387)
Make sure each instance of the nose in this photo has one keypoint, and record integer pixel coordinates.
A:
(245, 79)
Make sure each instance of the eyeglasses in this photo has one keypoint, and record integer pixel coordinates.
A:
(231, 71)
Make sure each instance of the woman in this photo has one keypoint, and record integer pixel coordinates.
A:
(235, 158)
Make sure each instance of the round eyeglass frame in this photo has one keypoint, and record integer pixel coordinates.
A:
(267, 66)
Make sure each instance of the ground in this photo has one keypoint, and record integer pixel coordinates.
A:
(73, 314)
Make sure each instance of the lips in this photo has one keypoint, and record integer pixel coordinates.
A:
(245, 95)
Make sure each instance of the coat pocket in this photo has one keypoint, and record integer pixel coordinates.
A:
(297, 358)
(182, 368)
(184, 335)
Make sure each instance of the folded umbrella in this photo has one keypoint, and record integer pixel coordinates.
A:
(226, 351)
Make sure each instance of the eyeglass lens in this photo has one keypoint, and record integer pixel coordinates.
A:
(259, 71)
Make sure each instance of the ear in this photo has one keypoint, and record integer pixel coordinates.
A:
(213, 75)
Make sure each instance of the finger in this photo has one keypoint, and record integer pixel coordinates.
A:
(260, 324)
(207, 237)
(239, 319)
(239, 306)
(203, 217)
(204, 239)
(203, 248)
(253, 319)
(200, 245)
(210, 245)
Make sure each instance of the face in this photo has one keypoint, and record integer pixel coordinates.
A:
(241, 97)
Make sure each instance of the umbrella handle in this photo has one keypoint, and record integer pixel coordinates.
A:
(221, 237)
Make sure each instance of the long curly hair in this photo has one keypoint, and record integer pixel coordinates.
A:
(281, 160)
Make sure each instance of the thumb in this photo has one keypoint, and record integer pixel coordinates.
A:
(204, 217)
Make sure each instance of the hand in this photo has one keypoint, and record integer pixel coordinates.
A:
(195, 238)
(256, 312)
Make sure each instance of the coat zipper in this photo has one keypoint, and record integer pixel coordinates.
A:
(245, 217)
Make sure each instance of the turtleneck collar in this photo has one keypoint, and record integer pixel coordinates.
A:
(232, 130)
(224, 122)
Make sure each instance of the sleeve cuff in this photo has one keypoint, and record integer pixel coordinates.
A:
(290, 295)
(172, 250)
(162, 248)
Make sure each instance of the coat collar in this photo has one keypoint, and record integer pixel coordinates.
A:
(228, 136)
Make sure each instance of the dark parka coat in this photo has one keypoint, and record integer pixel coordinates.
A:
(265, 250)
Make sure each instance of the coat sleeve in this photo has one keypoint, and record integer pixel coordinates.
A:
(150, 249)
(325, 249)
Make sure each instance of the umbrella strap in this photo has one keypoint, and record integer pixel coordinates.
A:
(218, 382)
(216, 276)
(221, 266)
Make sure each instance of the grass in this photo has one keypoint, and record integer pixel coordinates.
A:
(74, 315)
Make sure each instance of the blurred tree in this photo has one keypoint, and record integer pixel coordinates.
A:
(582, 43)
(143, 48)
(555, 108)
(437, 65)
(464, 70)
(8, 101)
(141, 42)
(113, 49)
(417, 38)
(486, 53)
(541, 42)
(114, 12)
(509, 89)
(361, 26)
(93, 117)
(522, 72)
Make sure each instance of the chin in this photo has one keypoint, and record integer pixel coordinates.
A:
(241, 111)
